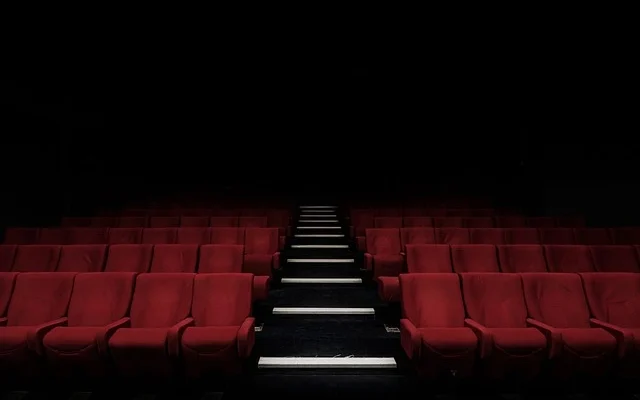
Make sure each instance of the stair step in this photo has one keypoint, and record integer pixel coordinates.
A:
(319, 235)
(321, 271)
(327, 362)
(321, 260)
(324, 311)
(318, 216)
(319, 227)
(319, 221)
(322, 280)
(320, 246)
(312, 211)
(318, 207)
(325, 295)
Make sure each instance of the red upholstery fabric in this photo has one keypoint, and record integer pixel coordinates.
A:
(418, 222)
(159, 235)
(21, 236)
(570, 222)
(452, 236)
(510, 221)
(448, 222)
(388, 222)
(132, 222)
(261, 247)
(626, 236)
(541, 222)
(125, 235)
(615, 259)
(7, 282)
(227, 236)
(522, 258)
(224, 222)
(478, 222)
(557, 236)
(7, 255)
(82, 258)
(383, 252)
(593, 236)
(52, 236)
(217, 258)
(192, 222)
(129, 258)
(174, 258)
(252, 222)
(561, 258)
(36, 258)
(103, 222)
(87, 235)
(417, 236)
(423, 258)
(474, 258)
(493, 236)
(195, 235)
(164, 222)
(522, 236)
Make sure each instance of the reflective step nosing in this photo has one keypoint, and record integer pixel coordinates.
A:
(318, 216)
(320, 246)
(328, 362)
(318, 221)
(322, 280)
(319, 235)
(318, 207)
(319, 227)
(324, 311)
(321, 260)
(320, 211)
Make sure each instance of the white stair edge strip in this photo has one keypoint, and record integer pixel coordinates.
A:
(318, 207)
(318, 236)
(320, 246)
(327, 362)
(319, 221)
(321, 260)
(323, 311)
(320, 211)
(319, 227)
(322, 280)
(318, 216)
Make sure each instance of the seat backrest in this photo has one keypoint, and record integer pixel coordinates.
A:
(522, 236)
(159, 235)
(432, 300)
(615, 258)
(541, 222)
(593, 236)
(217, 258)
(193, 235)
(474, 258)
(227, 236)
(125, 235)
(132, 222)
(626, 236)
(39, 297)
(417, 222)
(174, 258)
(522, 258)
(388, 222)
(7, 255)
(164, 222)
(129, 258)
(194, 221)
(424, 235)
(383, 241)
(494, 299)
(261, 241)
(161, 300)
(21, 235)
(7, 282)
(510, 221)
(252, 222)
(100, 298)
(478, 222)
(448, 222)
(103, 222)
(222, 299)
(82, 258)
(224, 222)
(52, 236)
(557, 236)
(566, 258)
(614, 297)
(87, 235)
(556, 299)
(452, 236)
(493, 236)
(36, 258)
(428, 258)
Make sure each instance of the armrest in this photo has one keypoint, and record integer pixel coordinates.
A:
(554, 338)
(410, 339)
(275, 260)
(361, 243)
(246, 337)
(3, 321)
(282, 242)
(103, 336)
(485, 338)
(175, 335)
(389, 288)
(368, 261)
(261, 287)
(623, 337)
(35, 335)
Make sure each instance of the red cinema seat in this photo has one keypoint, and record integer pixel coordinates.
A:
(164, 222)
(421, 258)
(36, 258)
(87, 235)
(222, 332)
(229, 258)
(593, 236)
(498, 315)
(541, 222)
(132, 222)
(417, 236)
(626, 236)
(21, 236)
(522, 258)
(361, 220)
(160, 308)
(557, 236)
(493, 236)
(261, 247)
(510, 221)
(224, 212)
(226, 236)
(561, 258)
(103, 222)
(98, 308)
(452, 235)
(75, 222)
(252, 212)
(417, 222)
(52, 236)
(7, 255)
(433, 332)
(252, 222)
(174, 258)
(614, 300)
(474, 258)
(82, 258)
(196, 212)
(415, 212)
(558, 308)
(125, 235)
(478, 222)
(192, 222)
(614, 258)
(570, 222)
(388, 222)
(7, 282)
(38, 304)
(389, 212)
(448, 222)
(223, 222)
(129, 258)
(383, 252)
(195, 235)
(159, 235)
(522, 236)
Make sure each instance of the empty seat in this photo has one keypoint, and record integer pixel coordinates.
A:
(194, 235)
(21, 236)
(221, 336)
(129, 258)
(522, 236)
(493, 236)
(252, 222)
(561, 258)
(159, 235)
(261, 247)
(7, 282)
(383, 252)
(557, 307)
(132, 222)
(387, 222)
(228, 222)
(448, 222)
(87, 235)
(626, 236)
(498, 315)
(389, 212)
(478, 222)
(510, 221)
(452, 236)
(417, 222)
(103, 222)
(557, 236)
(252, 212)
(52, 236)
(38, 304)
(98, 307)
(522, 258)
(474, 258)
(164, 222)
(82, 258)
(125, 235)
(160, 309)
(593, 236)
(187, 221)
(541, 222)
(36, 258)
(417, 236)
(174, 258)
(227, 236)
(7, 255)
(614, 258)
(433, 332)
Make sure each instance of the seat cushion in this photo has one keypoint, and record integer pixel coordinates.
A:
(210, 340)
(588, 342)
(518, 341)
(13, 343)
(66, 341)
(140, 351)
(448, 341)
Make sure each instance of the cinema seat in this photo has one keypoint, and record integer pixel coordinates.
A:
(388, 222)
(383, 252)
(557, 236)
(493, 236)
(261, 251)
(557, 307)
(498, 315)
(221, 334)
(448, 222)
(433, 332)
(522, 236)
(52, 236)
(7, 255)
(125, 235)
(36, 258)
(82, 258)
(194, 221)
(132, 222)
(21, 236)
(103, 222)
(194, 235)
(561, 258)
(510, 221)
(252, 222)
(164, 222)
(38, 305)
(593, 236)
(425, 235)
(478, 222)
(417, 222)
(626, 236)
(129, 258)
(522, 258)
(7, 282)
(160, 308)
(98, 308)
(541, 222)
(174, 258)
(452, 235)
(474, 258)
(87, 235)
(226, 236)
(159, 235)
(615, 258)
